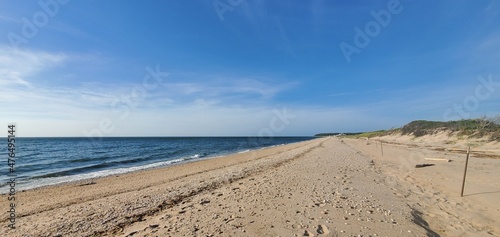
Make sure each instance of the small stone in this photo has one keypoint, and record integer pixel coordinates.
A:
(322, 229)
(204, 201)
(308, 233)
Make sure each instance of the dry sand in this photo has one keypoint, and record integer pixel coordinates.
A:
(435, 191)
(323, 187)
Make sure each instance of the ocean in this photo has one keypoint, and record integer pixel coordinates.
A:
(47, 161)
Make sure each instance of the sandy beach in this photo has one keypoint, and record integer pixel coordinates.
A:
(323, 187)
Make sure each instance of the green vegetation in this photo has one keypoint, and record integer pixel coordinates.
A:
(377, 133)
(358, 134)
(336, 134)
(477, 128)
(467, 127)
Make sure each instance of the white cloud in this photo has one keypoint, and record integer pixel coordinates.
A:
(201, 105)
(206, 117)
(228, 89)
(16, 64)
(9, 19)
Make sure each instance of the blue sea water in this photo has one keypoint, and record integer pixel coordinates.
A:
(46, 161)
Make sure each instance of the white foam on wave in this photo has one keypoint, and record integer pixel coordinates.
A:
(196, 156)
(31, 184)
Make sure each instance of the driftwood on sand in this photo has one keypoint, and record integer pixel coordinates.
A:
(423, 165)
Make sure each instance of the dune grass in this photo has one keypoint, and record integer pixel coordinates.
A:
(476, 128)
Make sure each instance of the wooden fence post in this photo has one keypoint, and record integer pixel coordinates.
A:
(465, 171)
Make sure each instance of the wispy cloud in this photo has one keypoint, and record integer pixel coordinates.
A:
(227, 88)
(17, 65)
(493, 9)
(83, 100)
(9, 19)
(489, 43)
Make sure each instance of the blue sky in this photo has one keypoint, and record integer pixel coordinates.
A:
(249, 68)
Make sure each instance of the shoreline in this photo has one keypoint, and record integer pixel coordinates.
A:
(322, 187)
(88, 177)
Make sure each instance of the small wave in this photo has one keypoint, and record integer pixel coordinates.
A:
(196, 156)
(40, 182)
(193, 157)
(84, 169)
